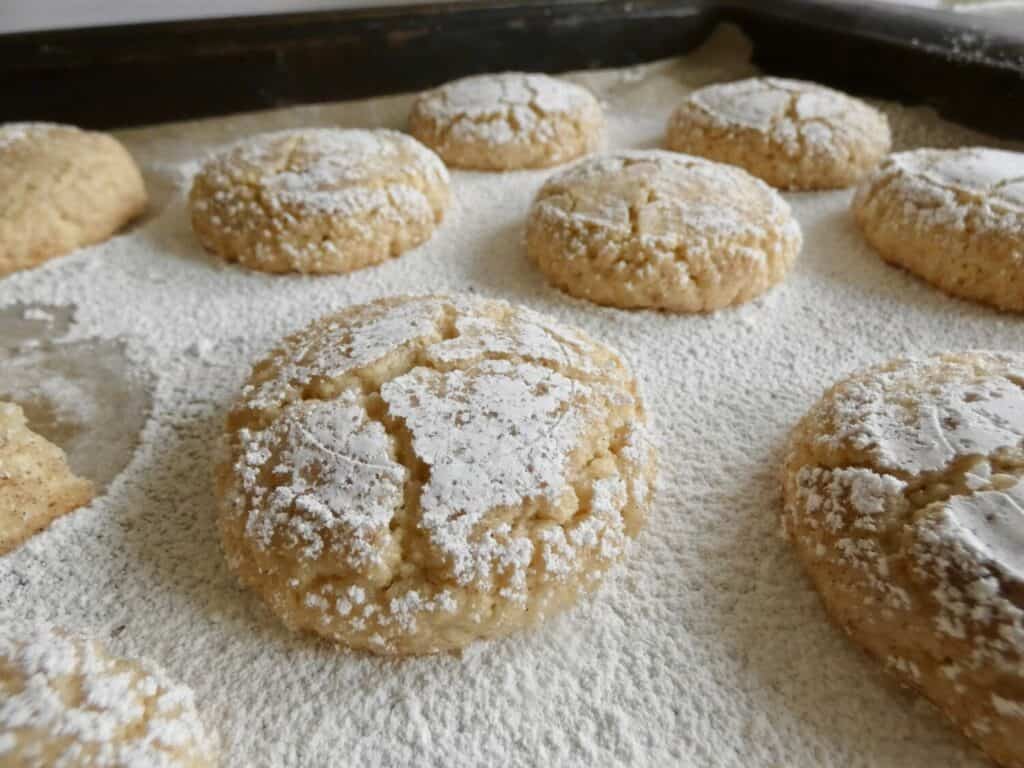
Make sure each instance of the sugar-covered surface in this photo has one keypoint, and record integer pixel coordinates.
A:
(708, 648)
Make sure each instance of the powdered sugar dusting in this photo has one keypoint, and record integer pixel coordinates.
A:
(65, 702)
(790, 111)
(15, 133)
(709, 646)
(490, 441)
(957, 420)
(505, 108)
(989, 180)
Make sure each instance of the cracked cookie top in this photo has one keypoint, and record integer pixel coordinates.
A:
(508, 121)
(650, 228)
(66, 702)
(318, 199)
(904, 493)
(409, 475)
(791, 133)
(972, 188)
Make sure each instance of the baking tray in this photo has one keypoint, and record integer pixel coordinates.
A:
(968, 68)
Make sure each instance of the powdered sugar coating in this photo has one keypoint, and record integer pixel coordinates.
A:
(661, 229)
(411, 474)
(707, 646)
(65, 702)
(792, 133)
(954, 217)
(508, 120)
(13, 133)
(318, 200)
(971, 187)
(904, 495)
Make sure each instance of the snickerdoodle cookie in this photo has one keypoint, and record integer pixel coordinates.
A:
(410, 475)
(904, 497)
(505, 121)
(662, 230)
(36, 485)
(954, 217)
(61, 188)
(318, 200)
(65, 702)
(791, 133)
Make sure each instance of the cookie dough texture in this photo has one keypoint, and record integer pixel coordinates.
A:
(318, 200)
(506, 121)
(793, 134)
(36, 485)
(952, 217)
(662, 230)
(414, 474)
(61, 188)
(65, 702)
(904, 497)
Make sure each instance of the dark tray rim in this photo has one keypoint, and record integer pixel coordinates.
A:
(215, 66)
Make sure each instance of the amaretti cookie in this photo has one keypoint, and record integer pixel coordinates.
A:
(501, 122)
(410, 475)
(66, 702)
(61, 188)
(953, 217)
(318, 200)
(36, 484)
(791, 133)
(661, 230)
(904, 498)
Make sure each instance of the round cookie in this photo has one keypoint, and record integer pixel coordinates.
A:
(61, 188)
(506, 121)
(36, 485)
(318, 200)
(953, 217)
(662, 230)
(904, 498)
(410, 475)
(793, 134)
(66, 702)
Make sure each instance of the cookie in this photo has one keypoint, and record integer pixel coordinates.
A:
(953, 217)
(410, 475)
(661, 230)
(318, 200)
(36, 485)
(66, 702)
(793, 134)
(506, 121)
(60, 189)
(904, 498)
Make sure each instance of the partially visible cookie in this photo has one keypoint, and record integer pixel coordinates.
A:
(61, 188)
(318, 200)
(793, 134)
(36, 485)
(65, 702)
(904, 498)
(661, 230)
(506, 121)
(954, 217)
